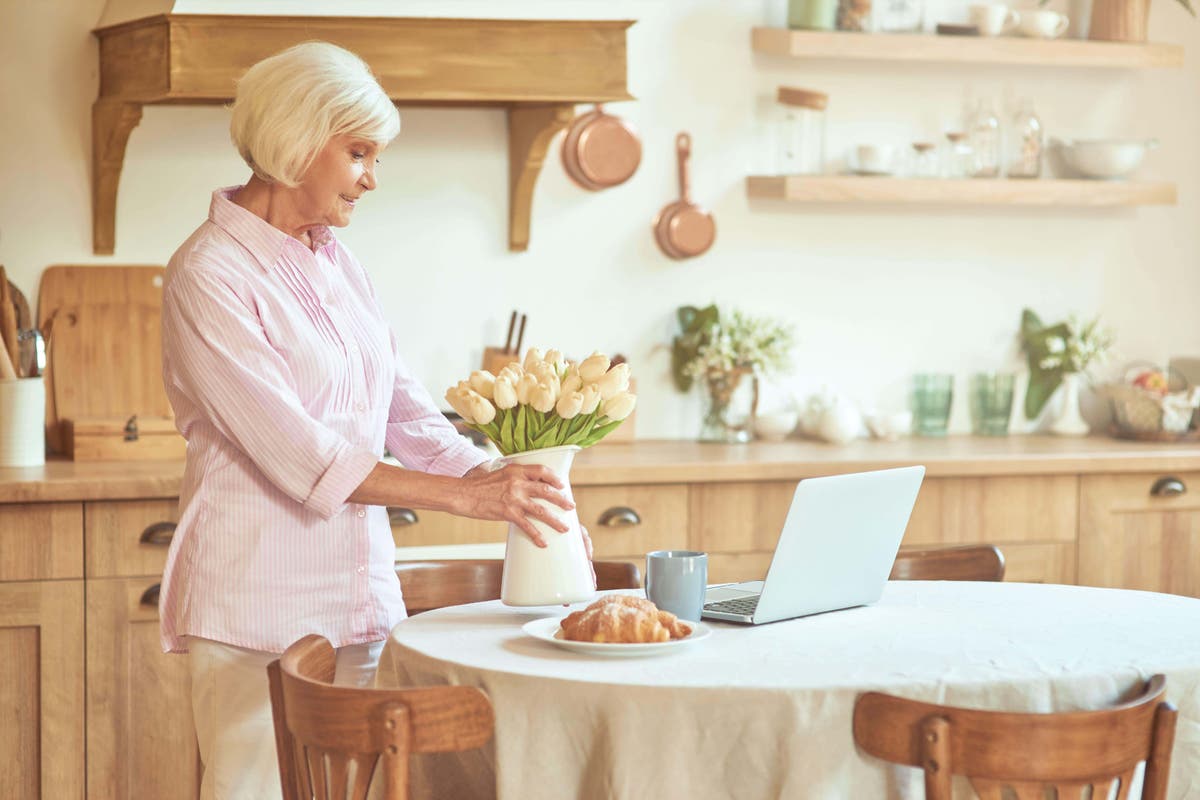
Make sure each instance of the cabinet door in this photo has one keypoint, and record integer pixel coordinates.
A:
(41, 690)
(738, 524)
(418, 528)
(1141, 532)
(140, 738)
(626, 522)
(129, 537)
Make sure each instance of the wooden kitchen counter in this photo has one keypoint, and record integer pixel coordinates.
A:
(651, 461)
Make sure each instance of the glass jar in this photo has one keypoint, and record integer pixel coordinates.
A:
(984, 130)
(957, 156)
(899, 16)
(801, 131)
(1025, 143)
(924, 162)
(816, 15)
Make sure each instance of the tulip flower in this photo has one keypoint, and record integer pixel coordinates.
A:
(458, 398)
(591, 398)
(525, 387)
(481, 409)
(572, 383)
(615, 381)
(545, 373)
(481, 382)
(569, 404)
(593, 367)
(542, 398)
(555, 359)
(504, 393)
(619, 406)
(532, 356)
(513, 372)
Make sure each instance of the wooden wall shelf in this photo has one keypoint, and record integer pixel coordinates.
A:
(537, 70)
(963, 49)
(838, 189)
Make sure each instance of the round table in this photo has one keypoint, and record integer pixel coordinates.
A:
(765, 712)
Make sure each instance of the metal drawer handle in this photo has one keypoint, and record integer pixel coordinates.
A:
(150, 596)
(1168, 487)
(159, 534)
(620, 517)
(402, 516)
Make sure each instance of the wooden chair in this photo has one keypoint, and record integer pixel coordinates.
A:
(330, 738)
(971, 563)
(434, 584)
(1024, 752)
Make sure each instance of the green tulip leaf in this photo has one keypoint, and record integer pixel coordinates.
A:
(519, 430)
(506, 433)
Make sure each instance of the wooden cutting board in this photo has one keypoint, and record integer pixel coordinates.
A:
(104, 344)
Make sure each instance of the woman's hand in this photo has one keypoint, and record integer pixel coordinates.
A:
(509, 494)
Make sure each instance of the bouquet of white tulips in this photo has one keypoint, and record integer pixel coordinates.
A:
(546, 401)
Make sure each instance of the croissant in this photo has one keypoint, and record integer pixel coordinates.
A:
(618, 618)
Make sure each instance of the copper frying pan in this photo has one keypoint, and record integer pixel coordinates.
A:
(684, 229)
(600, 150)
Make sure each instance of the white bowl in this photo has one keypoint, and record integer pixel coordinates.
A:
(1105, 158)
(775, 426)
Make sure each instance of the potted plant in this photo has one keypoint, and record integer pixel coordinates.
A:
(726, 356)
(1057, 355)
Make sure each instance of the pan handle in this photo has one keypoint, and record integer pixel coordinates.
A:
(683, 150)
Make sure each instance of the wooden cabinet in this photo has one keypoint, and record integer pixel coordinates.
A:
(413, 528)
(1141, 532)
(626, 522)
(41, 689)
(140, 739)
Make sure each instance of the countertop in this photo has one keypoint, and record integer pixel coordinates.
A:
(649, 461)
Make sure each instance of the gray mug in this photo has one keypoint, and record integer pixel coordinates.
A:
(676, 580)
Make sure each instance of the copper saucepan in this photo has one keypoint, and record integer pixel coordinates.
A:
(684, 229)
(600, 150)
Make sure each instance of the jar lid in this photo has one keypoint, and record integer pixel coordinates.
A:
(806, 98)
(956, 136)
(923, 147)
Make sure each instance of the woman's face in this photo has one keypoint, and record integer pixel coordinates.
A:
(342, 173)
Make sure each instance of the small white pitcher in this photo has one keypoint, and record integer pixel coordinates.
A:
(556, 574)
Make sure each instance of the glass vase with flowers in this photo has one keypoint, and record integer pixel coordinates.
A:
(725, 356)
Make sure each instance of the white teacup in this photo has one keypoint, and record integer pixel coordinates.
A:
(873, 159)
(1043, 24)
(993, 19)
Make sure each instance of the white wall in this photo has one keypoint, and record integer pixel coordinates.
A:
(875, 293)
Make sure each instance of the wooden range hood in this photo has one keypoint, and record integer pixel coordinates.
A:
(537, 70)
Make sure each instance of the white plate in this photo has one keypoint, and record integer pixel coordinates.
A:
(549, 630)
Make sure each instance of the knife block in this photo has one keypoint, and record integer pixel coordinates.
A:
(497, 358)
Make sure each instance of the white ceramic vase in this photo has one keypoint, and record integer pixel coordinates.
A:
(1069, 422)
(556, 574)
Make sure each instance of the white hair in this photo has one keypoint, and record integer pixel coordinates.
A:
(289, 106)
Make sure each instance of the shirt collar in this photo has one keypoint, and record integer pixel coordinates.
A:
(264, 241)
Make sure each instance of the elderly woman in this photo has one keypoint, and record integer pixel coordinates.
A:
(287, 384)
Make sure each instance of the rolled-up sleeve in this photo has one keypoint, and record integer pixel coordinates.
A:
(223, 362)
(419, 435)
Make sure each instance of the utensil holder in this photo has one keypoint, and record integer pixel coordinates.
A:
(497, 358)
(22, 423)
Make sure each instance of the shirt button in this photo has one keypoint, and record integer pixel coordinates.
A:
(361, 570)
(362, 513)
(362, 406)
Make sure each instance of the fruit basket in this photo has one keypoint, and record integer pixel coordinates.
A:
(1150, 406)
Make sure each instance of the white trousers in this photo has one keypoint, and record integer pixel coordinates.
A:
(231, 704)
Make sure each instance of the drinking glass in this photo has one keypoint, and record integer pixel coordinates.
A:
(991, 402)
(930, 399)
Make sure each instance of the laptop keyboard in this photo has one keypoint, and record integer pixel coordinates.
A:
(743, 606)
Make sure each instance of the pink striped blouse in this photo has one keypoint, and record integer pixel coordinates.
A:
(286, 383)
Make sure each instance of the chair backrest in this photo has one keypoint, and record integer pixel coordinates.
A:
(433, 584)
(1025, 752)
(330, 738)
(981, 562)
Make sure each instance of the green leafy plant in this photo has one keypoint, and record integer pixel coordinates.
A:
(1053, 351)
(711, 346)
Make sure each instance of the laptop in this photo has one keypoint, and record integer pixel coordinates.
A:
(836, 550)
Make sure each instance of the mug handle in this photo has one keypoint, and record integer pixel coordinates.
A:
(1011, 21)
(1061, 27)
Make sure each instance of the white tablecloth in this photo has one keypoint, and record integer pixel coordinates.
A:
(765, 712)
